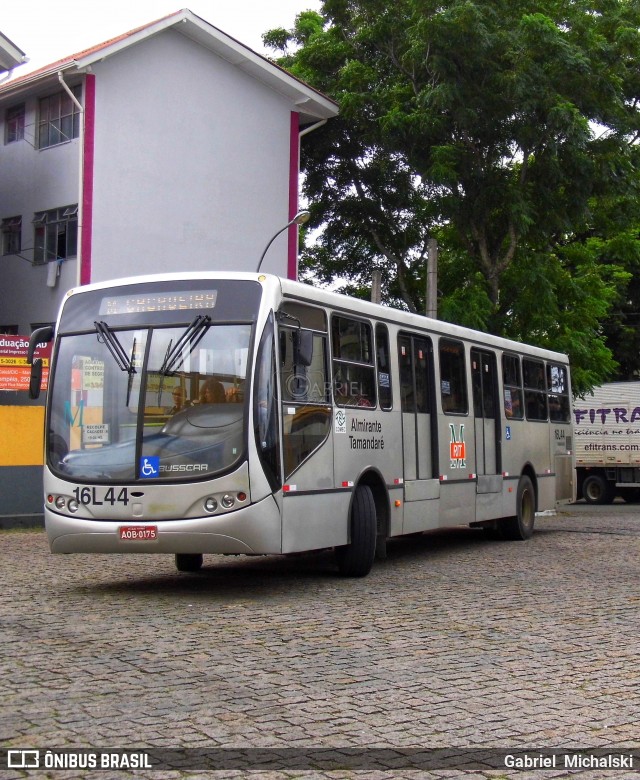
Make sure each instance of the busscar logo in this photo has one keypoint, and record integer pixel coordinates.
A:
(185, 467)
(23, 759)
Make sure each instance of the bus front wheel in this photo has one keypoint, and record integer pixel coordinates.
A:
(188, 562)
(356, 558)
(520, 526)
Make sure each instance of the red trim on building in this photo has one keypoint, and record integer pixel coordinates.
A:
(294, 170)
(87, 177)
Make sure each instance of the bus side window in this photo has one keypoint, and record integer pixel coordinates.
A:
(512, 387)
(353, 363)
(559, 406)
(384, 367)
(535, 389)
(303, 383)
(453, 383)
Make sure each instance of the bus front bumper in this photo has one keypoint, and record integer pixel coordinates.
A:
(252, 530)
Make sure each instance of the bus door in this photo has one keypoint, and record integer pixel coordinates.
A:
(488, 466)
(310, 513)
(418, 435)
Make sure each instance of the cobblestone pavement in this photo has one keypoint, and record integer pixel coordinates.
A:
(454, 641)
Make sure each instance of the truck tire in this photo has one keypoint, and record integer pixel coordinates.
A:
(356, 558)
(596, 490)
(520, 526)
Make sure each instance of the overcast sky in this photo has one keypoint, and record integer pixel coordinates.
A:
(48, 30)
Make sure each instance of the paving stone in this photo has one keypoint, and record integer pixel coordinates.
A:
(453, 642)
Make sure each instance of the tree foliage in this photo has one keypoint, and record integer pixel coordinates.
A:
(504, 128)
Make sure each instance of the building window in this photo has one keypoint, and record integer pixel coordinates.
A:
(58, 119)
(14, 124)
(11, 235)
(8, 330)
(55, 234)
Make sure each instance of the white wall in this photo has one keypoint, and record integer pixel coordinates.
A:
(191, 163)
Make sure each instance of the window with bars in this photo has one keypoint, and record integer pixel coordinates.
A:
(11, 230)
(14, 124)
(55, 234)
(58, 118)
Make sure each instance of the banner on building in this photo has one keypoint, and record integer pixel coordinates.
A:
(14, 369)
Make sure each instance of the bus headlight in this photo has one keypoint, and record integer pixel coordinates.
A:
(73, 505)
(60, 502)
(210, 504)
(228, 501)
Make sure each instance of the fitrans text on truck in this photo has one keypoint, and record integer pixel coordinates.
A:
(607, 443)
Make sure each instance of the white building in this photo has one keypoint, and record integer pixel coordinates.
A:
(170, 147)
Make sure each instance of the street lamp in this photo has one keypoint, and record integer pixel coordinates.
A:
(300, 218)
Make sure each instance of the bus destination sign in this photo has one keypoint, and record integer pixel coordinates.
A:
(164, 301)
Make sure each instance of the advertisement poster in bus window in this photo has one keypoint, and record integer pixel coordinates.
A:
(85, 408)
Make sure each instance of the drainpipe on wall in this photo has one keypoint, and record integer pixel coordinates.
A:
(311, 128)
(306, 131)
(294, 206)
(80, 107)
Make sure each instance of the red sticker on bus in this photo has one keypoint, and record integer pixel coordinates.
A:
(138, 533)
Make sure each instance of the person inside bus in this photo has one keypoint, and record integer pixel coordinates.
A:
(180, 402)
(212, 392)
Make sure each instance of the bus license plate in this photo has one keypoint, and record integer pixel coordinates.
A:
(138, 533)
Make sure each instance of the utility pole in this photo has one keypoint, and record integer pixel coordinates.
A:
(432, 278)
(376, 285)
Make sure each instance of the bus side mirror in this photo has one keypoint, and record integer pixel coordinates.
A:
(304, 348)
(39, 336)
(35, 379)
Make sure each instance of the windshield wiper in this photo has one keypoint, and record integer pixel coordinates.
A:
(110, 340)
(174, 357)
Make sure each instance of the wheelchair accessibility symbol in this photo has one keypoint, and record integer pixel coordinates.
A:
(150, 467)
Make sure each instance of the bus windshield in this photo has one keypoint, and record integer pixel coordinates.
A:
(154, 402)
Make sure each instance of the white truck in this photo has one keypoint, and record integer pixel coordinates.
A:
(607, 443)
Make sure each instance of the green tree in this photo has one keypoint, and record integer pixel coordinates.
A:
(497, 127)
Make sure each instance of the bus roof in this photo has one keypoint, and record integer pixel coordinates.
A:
(314, 295)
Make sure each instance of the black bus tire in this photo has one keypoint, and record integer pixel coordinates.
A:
(188, 561)
(520, 526)
(596, 490)
(356, 558)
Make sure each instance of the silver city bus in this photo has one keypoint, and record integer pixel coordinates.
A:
(247, 414)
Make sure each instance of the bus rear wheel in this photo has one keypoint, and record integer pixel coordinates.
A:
(520, 526)
(188, 562)
(356, 558)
